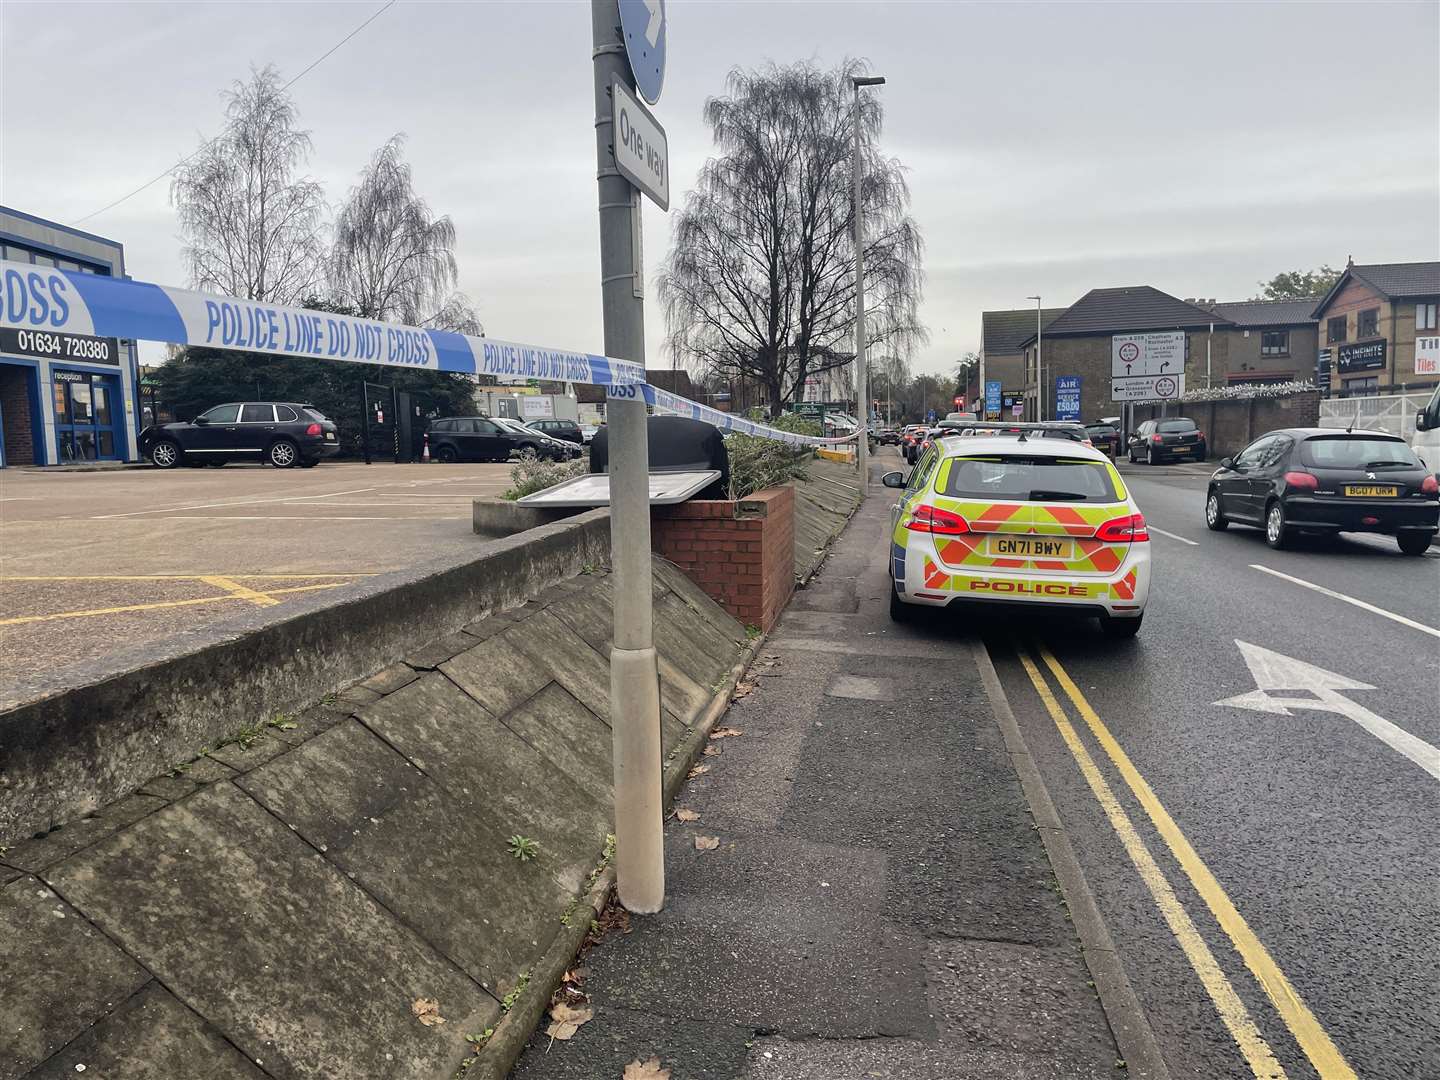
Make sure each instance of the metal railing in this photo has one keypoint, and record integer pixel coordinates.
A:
(1393, 413)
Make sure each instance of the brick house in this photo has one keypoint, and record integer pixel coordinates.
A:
(1078, 343)
(1379, 329)
(1268, 341)
(1001, 335)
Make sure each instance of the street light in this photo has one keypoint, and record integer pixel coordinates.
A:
(1039, 370)
(862, 392)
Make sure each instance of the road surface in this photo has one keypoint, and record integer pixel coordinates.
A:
(1237, 846)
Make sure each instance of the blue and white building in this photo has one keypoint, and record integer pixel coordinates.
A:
(65, 400)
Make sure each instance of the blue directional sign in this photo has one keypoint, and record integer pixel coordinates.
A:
(644, 26)
(1067, 397)
(992, 397)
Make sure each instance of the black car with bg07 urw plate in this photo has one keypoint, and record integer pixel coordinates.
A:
(1327, 481)
(282, 433)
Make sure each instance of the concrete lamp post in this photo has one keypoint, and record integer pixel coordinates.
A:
(862, 390)
(1039, 368)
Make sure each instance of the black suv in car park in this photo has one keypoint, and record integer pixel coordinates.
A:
(568, 430)
(486, 438)
(284, 433)
(1175, 437)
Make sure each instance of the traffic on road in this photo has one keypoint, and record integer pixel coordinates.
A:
(1249, 784)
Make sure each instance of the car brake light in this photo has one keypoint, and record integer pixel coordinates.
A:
(1156, 438)
(1124, 530)
(313, 429)
(1430, 486)
(931, 519)
(1304, 481)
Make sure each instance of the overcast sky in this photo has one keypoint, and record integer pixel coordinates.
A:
(1051, 148)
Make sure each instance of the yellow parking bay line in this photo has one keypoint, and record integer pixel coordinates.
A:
(1227, 1002)
(177, 577)
(241, 592)
(15, 621)
(1324, 1055)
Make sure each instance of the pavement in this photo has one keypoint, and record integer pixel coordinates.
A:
(878, 901)
(1267, 870)
(97, 560)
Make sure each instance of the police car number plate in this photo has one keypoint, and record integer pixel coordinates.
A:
(1031, 547)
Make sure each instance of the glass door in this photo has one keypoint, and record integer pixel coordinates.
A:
(85, 416)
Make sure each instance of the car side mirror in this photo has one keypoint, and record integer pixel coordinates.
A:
(1422, 421)
(1227, 463)
(201, 421)
(893, 479)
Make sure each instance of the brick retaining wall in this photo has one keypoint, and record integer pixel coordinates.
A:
(742, 553)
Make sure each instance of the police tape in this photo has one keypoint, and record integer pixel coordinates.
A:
(61, 310)
(675, 405)
(67, 302)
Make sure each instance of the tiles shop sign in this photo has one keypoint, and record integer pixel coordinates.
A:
(1363, 356)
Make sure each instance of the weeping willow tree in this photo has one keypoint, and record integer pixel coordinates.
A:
(759, 283)
(391, 257)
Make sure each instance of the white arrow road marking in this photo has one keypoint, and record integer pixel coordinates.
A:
(1274, 672)
(1401, 619)
(657, 20)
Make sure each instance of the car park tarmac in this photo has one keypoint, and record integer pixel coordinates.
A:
(95, 562)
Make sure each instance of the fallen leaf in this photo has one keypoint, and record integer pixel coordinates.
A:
(645, 1070)
(706, 843)
(725, 733)
(565, 1020)
(712, 751)
(687, 815)
(427, 1011)
(743, 689)
(698, 770)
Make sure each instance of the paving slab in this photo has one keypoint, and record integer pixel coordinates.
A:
(486, 766)
(817, 972)
(36, 855)
(695, 598)
(45, 1000)
(152, 1036)
(387, 680)
(556, 648)
(681, 695)
(690, 1049)
(1018, 997)
(290, 960)
(244, 758)
(312, 721)
(904, 1059)
(443, 868)
(571, 736)
(501, 673)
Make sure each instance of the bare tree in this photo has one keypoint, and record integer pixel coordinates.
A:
(392, 258)
(759, 283)
(253, 227)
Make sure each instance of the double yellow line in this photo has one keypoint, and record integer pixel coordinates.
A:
(1326, 1058)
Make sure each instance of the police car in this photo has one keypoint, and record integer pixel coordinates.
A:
(1018, 518)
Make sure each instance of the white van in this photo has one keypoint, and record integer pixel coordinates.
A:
(1426, 441)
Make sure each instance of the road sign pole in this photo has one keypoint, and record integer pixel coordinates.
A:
(634, 681)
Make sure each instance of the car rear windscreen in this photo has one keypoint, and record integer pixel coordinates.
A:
(314, 414)
(1178, 424)
(1356, 452)
(1028, 478)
